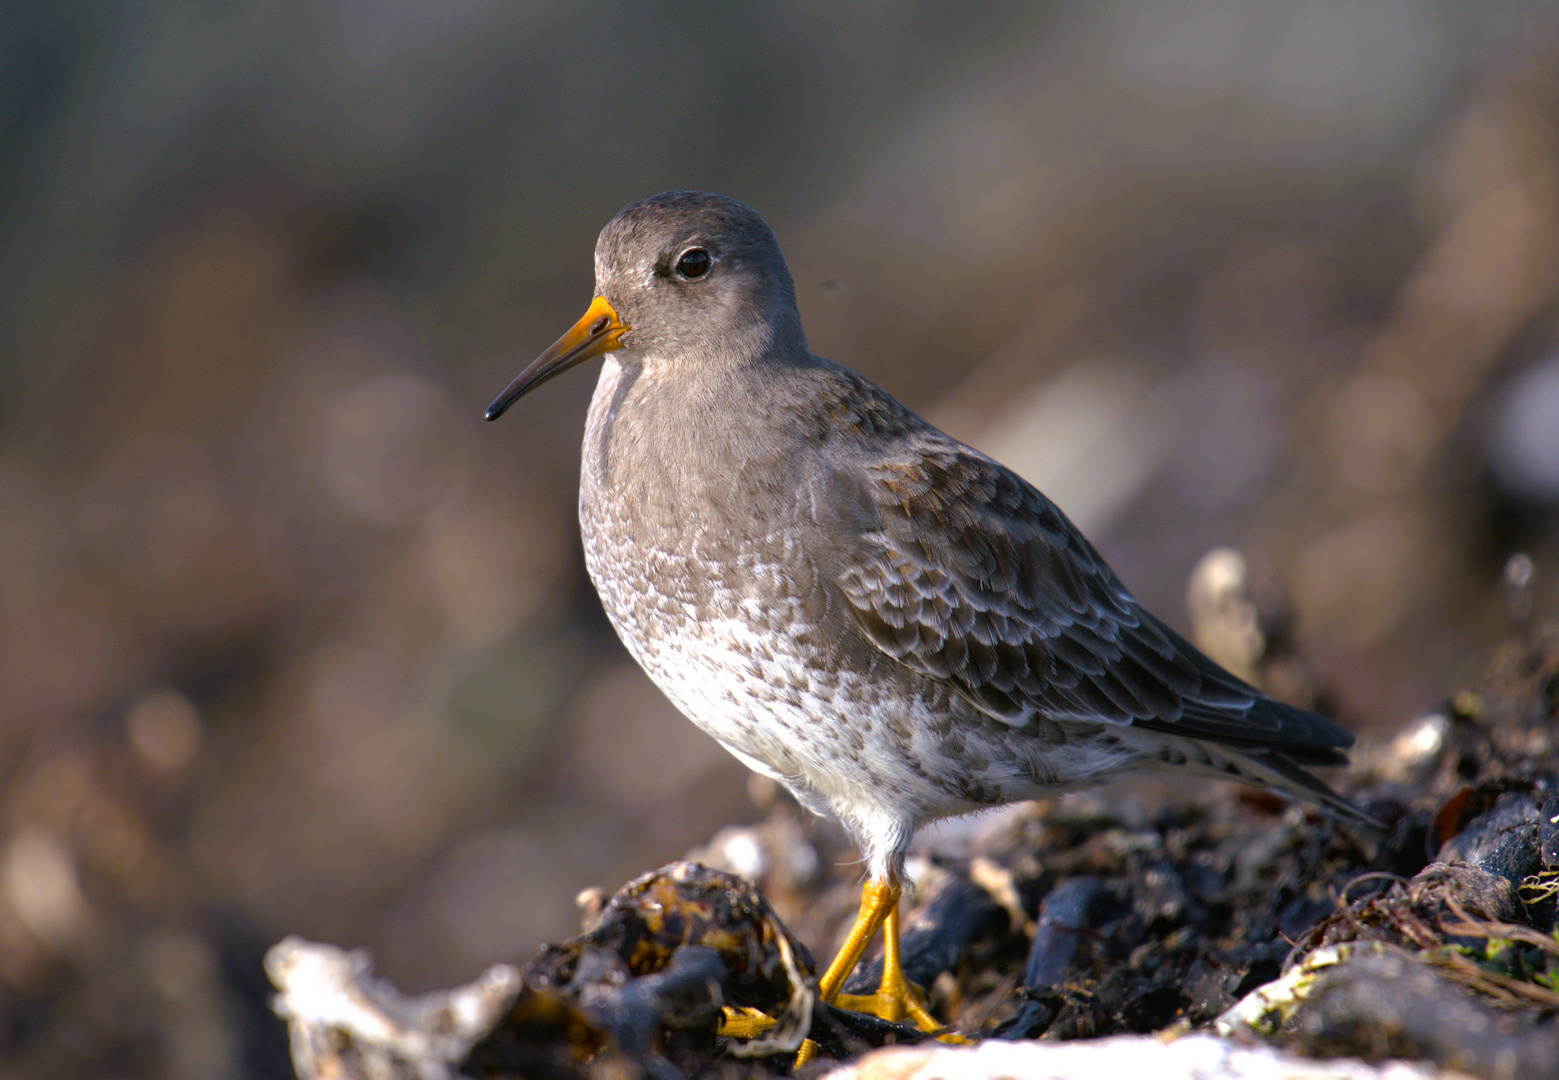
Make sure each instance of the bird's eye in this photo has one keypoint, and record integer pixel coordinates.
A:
(693, 263)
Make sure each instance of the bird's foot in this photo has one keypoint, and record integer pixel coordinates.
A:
(744, 1023)
(897, 1000)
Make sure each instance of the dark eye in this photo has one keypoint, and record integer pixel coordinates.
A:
(693, 263)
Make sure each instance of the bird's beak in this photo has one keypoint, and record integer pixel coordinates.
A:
(600, 331)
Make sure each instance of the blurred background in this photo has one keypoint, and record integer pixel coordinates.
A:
(292, 642)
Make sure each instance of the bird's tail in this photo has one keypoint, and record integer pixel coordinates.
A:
(1272, 769)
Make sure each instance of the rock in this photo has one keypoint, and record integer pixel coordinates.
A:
(344, 1022)
(1503, 841)
(1194, 1057)
(1385, 1004)
(1548, 834)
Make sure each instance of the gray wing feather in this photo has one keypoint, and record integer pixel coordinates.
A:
(967, 573)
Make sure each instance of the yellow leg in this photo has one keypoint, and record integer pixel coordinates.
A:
(896, 998)
(879, 904)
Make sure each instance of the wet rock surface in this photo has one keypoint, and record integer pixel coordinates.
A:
(1388, 1005)
(1100, 916)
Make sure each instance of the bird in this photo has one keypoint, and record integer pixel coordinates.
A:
(889, 623)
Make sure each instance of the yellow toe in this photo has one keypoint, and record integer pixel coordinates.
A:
(745, 1023)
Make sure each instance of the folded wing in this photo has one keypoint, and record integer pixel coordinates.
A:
(965, 572)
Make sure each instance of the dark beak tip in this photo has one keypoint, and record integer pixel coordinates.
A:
(499, 407)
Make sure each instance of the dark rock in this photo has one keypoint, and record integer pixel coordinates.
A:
(1503, 841)
(647, 982)
(1378, 1006)
(1548, 834)
(1445, 886)
(1070, 908)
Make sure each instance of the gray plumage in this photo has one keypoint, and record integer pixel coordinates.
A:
(888, 622)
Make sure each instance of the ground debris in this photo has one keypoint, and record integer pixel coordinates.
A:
(1385, 1004)
(1458, 964)
(344, 1023)
(651, 975)
(1096, 917)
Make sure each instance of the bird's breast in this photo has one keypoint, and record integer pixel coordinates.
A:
(668, 512)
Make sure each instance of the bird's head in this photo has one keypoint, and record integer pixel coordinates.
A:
(683, 277)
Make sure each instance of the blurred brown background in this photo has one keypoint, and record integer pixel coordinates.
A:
(292, 642)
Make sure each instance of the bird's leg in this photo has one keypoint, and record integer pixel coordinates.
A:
(879, 905)
(896, 998)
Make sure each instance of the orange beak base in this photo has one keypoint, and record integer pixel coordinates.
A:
(597, 333)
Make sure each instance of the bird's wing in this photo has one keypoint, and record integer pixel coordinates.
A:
(966, 573)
